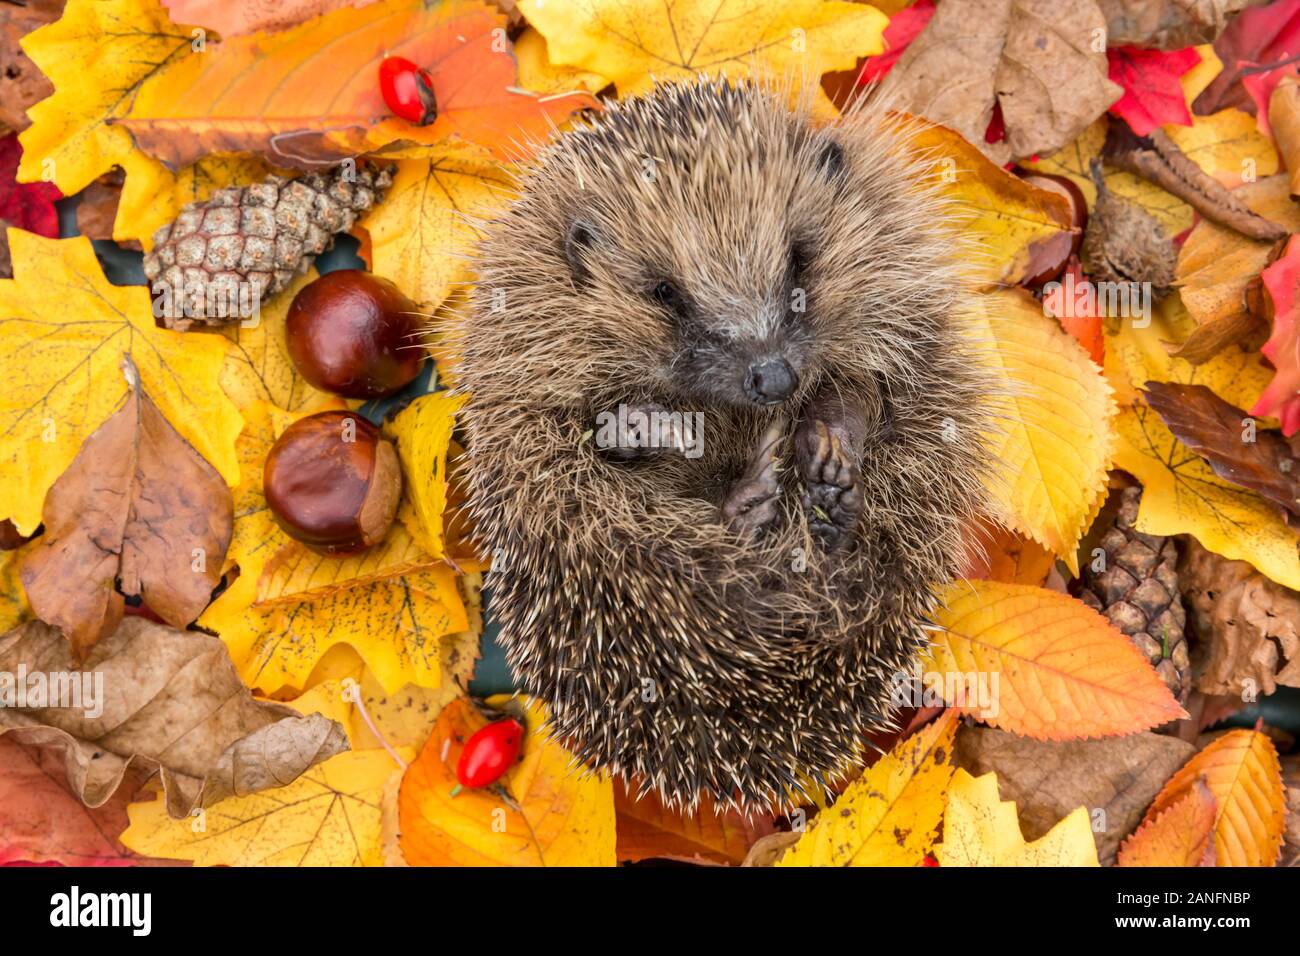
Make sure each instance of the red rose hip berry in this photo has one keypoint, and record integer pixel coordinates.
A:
(489, 752)
(407, 90)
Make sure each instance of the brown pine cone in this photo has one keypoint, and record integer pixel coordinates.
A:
(1136, 587)
(245, 243)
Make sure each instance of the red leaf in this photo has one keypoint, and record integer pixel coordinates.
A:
(1072, 302)
(43, 824)
(1152, 94)
(1260, 86)
(28, 206)
(904, 27)
(1282, 397)
(1259, 35)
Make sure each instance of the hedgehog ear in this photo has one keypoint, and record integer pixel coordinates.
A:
(830, 161)
(578, 240)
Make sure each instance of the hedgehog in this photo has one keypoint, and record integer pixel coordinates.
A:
(726, 431)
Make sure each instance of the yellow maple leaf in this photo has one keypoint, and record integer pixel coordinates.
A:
(422, 433)
(1052, 668)
(889, 815)
(65, 332)
(258, 366)
(558, 815)
(1055, 421)
(97, 55)
(539, 74)
(1184, 495)
(1244, 776)
(638, 42)
(979, 829)
(422, 234)
(330, 816)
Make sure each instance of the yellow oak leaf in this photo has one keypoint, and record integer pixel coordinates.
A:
(396, 624)
(1017, 225)
(330, 816)
(889, 816)
(638, 42)
(1243, 774)
(309, 95)
(422, 433)
(97, 55)
(1055, 421)
(557, 815)
(258, 366)
(1051, 667)
(979, 829)
(1180, 835)
(422, 234)
(539, 74)
(65, 332)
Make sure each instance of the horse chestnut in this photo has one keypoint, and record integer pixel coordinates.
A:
(354, 334)
(333, 482)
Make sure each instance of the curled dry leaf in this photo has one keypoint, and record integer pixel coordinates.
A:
(646, 829)
(1249, 627)
(169, 700)
(1284, 121)
(138, 512)
(1035, 59)
(1182, 835)
(1168, 24)
(1242, 771)
(1282, 396)
(1118, 776)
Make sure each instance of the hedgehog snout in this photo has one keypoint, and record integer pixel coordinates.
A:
(770, 381)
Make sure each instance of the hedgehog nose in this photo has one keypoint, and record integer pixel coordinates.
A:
(770, 381)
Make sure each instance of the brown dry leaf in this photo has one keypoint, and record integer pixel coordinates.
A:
(1183, 835)
(1248, 626)
(138, 512)
(97, 207)
(1218, 268)
(21, 83)
(234, 18)
(646, 829)
(1284, 121)
(1009, 556)
(1117, 776)
(169, 700)
(1168, 24)
(1036, 59)
(1242, 771)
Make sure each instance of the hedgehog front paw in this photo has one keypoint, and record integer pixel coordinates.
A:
(832, 484)
(752, 502)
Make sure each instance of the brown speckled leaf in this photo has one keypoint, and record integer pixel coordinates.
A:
(170, 701)
(137, 506)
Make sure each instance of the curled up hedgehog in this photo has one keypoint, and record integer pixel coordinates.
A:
(726, 429)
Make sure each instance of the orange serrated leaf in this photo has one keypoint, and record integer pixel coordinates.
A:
(310, 95)
(1243, 773)
(1055, 668)
(1181, 835)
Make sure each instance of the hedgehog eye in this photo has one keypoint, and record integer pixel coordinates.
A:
(830, 161)
(669, 296)
(800, 257)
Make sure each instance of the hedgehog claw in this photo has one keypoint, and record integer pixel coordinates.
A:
(751, 505)
(832, 487)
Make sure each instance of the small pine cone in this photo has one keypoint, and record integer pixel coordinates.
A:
(1137, 590)
(245, 243)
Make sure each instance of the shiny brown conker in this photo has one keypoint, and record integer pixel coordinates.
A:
(333, 481)
(354, 334)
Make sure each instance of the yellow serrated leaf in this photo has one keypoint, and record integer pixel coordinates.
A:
(889, 815)
(1243, 774)
(1056, 420)
(557, 815)
(423, 232)
(979, 829)
(422, 433)
(637, 42)
(330, 816)
(97, 55)
(65, 332)
(1053, 667)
